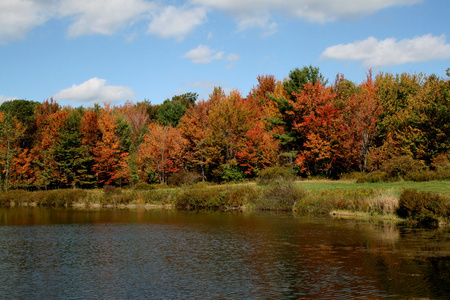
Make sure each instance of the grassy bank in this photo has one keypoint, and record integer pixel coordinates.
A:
(397, 187)
(382, 199)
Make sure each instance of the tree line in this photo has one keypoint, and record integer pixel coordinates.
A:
(302, 122)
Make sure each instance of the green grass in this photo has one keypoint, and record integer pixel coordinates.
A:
(439, 187)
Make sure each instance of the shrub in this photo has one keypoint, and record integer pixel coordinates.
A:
(280, 195)
(17, 196)
(376, 176)
(424, 207)
(444, 174)
(399, 166)
(183, 177)
(143, 186)
(199, 196)
(232, 174)
(422, 176)
(352, 176)
(363, 200)
(240, 196)
(68, 197)
(275, 173)
(441, 162)
(156, 196)
(110, 190)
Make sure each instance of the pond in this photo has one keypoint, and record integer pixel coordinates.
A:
(51, 253)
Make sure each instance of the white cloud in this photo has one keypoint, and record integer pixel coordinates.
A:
(18, 17)
(4, 98)
(95, 90)
(257, 13)
(102, 16)
(203, 55)
(233, 57)
(331, 10)
(177, 22)
(390, 52)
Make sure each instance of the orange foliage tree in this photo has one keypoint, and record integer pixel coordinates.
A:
(361, 122)
(194, 128)
(49, 121)
(110, 165)
(318, 124)
(161, 153)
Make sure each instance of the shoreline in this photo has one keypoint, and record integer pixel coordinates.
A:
(339, 199)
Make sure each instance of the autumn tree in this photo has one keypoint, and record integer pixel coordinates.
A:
(397, 133)
(363, 111)
(283, 121)
(194, 128)
(11, 130)
(49, 121)
(110, 161)
(318, 127)
(161, 153)
(234, 121)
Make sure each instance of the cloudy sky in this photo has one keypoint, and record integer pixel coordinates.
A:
(82, 52)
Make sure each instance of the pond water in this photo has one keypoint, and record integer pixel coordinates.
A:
(166, 254)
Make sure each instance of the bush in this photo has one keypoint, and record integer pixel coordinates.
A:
(240, 196)
(270, 175)
(424, 207)
(443, 174)
(363, 200)
(422, 176)
(183, 177)
(110, 190)
(232, 174)
(70, 196)
(352, 176)
(376, 176)
(441, 162)
(143, 186)
(280, 195)
(397, 167)
(200, 196)
(17, 196)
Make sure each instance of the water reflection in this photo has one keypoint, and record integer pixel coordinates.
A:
(121, 254)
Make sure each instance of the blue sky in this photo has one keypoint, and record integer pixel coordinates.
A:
(82, 52)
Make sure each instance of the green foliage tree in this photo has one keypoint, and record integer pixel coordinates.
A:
(24, 112)
(171, 112)
(69, 152)
(299, 77)
(187, 99)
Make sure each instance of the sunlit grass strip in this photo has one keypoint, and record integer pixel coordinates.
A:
(365, 200)
(440, 187)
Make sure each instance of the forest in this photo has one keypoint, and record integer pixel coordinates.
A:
(316, 128)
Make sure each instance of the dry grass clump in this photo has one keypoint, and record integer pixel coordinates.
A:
(358, 200)
(281, 194)
(384, 203)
